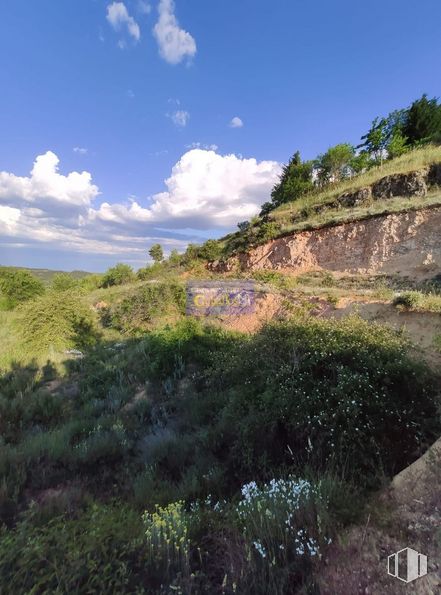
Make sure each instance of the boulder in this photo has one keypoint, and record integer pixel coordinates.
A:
(363, 196)
(434, 177)
(411, 184)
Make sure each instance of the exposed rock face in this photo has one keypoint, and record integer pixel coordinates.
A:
(407, 243)
(357, 198)
(434, 176)
(412, 184)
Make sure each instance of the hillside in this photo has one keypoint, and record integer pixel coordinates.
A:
(160, 435)
(47, 275)
(409, 182)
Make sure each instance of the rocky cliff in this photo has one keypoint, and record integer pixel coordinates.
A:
(402, 243)
(406, 243)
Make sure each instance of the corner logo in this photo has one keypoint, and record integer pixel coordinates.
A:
(407, 565)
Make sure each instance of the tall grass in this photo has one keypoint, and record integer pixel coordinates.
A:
(414, 160)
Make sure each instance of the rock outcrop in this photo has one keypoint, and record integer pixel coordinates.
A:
(406, 243)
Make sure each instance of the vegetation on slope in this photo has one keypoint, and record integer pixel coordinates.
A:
(221, 438)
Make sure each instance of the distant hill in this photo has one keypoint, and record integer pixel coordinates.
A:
(46, 275)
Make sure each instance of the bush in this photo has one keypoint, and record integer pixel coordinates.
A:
(148, 304)
(332, 391)
(58, 320)
(19, 286)
(91, 282)
(63, 282)
(408, 300)
(101, 551)
(118, 275)
(211, 250)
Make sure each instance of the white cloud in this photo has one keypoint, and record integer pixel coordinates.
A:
(80, 150)
(205, 191)
(174, 43)
(202, 146)
(236, 122)
(179, 118)
(119, 18)
(46, 185)
(9, 217)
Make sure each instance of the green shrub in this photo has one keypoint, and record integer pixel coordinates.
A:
(118, 275)
(333, 391)
(19, 286)
(148, 304)
(63, 282)
(408, 300)
(101, 551)
(58, 320)
(91, 282)
(211, 250)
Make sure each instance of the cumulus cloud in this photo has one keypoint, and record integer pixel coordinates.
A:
(118, 16)
(46, 185)
(80, 150)
(236, 122)
(179, 118)
(205, 191)
(174, 43)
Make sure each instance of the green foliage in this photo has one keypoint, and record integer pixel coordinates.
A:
(322, 384)
(408, 300)
(58, 320)
(423, 122)
(416, 300)
(333, 164)
(63, 282)
(188, 411)
(211, 250)
(91, 282)
(147, 305)
(167, 540)
(295, 181)
(118, 275)
(149, 272)
(376, 139)
(175, 258)
(101, 551)
(397, 144)
(19, 286)
(156, 253)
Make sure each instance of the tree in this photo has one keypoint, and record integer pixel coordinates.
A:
(423, 122)
(397, 144)
(332, 165)
(118, 275)
(211, 250)
(360, 162)
(156, 253)
(63, 282)
(174, 258)
(19, 286)
(295, 181)
(376, 139)
(244, 225)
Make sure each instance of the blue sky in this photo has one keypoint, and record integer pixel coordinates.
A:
(168, 121)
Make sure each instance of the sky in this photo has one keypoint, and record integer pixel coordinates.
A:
(124, 124)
